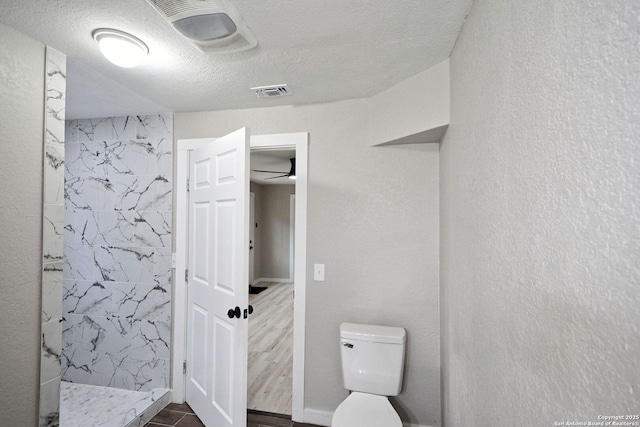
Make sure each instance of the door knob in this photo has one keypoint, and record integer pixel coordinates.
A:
(248, 311)
(234, 312)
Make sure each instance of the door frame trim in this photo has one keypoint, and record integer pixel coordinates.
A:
(292, 235)
(300, 142)
(252, 228)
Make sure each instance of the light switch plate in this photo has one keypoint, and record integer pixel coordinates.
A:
(318, 272)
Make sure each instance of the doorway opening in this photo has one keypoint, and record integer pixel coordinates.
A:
(275, 142)
(272, 237)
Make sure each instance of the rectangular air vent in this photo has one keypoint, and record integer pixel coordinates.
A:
(176, 7)
(271, 91)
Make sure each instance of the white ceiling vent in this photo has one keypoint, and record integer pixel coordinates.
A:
(271, 91)
(212, 25)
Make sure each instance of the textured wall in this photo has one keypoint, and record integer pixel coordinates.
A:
(373, 222)
(22, 70)
(540, 206)
(117, 252)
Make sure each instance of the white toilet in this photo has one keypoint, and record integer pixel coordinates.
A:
(372, 366)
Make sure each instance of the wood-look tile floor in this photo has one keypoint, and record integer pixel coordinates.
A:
(181, 415)
(270, 358)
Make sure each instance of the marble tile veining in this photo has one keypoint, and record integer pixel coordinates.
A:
(142, 192)
(52, 292)
(51, 350)
(87, 297)
(52, 237)
(54, 174)
(117, 238)
(97, 406)
(106, 129)
(50, 403)
(123, 228)
(154, 126)
(53, 233)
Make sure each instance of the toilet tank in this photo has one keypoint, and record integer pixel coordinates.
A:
(372, 358)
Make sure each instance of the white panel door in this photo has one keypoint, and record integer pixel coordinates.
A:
(252, 237)
(216, 374)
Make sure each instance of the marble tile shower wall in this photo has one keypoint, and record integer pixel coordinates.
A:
(117, 252)
(52, 235)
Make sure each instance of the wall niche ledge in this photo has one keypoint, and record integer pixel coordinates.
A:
(429, 136)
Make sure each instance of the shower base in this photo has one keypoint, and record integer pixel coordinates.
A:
(88, 405)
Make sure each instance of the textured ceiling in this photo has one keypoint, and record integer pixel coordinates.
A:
(323, 50)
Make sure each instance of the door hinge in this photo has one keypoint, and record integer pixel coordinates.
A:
(188, 184)
(186, 275)
(184, 367)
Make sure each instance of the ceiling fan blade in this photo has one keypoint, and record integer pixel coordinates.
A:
(258, 170)
(281, 176)
(292, 171)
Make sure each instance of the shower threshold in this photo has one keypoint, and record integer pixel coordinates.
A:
(88, 405)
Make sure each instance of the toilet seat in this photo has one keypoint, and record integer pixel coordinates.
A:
(365, 410)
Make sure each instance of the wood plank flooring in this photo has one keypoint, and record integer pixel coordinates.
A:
(270, 362)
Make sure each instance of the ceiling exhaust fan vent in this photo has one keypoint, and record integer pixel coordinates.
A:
(214, 26)
(171, 7)
(271, 91)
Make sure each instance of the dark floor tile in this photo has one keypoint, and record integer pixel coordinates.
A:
(167, 417)
(174, 415)
(180, 407)
(190, 421)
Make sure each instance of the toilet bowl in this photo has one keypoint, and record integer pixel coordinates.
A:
(365, 410)
(372, 364)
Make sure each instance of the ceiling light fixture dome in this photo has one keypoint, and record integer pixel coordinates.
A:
(122, 49)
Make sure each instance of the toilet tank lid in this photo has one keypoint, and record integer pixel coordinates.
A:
(372, 333)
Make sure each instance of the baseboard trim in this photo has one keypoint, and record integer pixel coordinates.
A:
(270, 279)
(314, 416)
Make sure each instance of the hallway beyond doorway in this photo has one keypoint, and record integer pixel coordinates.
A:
(270, 350)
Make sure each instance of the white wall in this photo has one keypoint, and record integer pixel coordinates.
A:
(21, 156)
(373, 221)
(540, 211)
(274, 231)
(411, 107)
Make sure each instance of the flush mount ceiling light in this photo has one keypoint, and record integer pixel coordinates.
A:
(120, 48)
